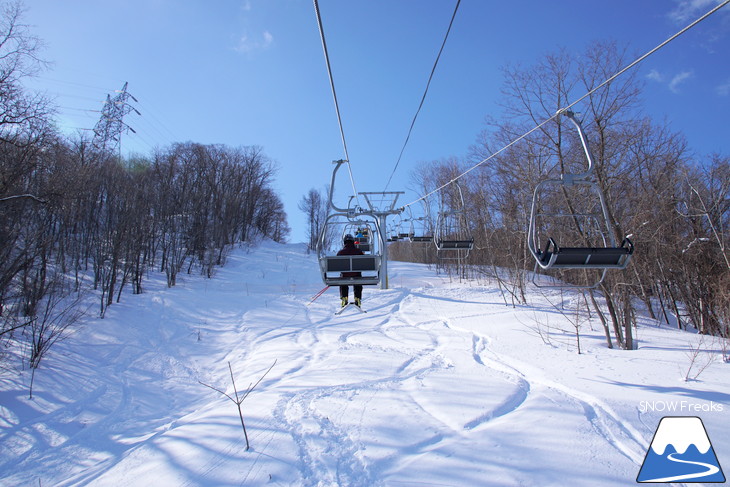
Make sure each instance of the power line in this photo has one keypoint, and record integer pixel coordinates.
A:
(141, 137)
(609, 80)
(334, 95)
(423, 98)
(72, 83)
(86, 110)
(148, 110)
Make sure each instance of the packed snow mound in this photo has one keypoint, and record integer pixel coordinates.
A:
(442, 382)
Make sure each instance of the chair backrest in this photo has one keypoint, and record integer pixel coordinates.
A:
(352, 263)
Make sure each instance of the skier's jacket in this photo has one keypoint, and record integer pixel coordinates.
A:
(350, 249)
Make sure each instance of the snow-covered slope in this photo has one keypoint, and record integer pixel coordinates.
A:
(440, 383)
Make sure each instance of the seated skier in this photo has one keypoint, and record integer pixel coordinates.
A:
(350, 249)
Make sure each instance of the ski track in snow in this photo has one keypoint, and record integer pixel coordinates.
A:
(356, 400)
(600, 415)
(317, 437)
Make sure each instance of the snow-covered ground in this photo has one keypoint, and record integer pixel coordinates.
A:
(440, 383)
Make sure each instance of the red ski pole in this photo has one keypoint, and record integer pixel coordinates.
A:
(318, 295)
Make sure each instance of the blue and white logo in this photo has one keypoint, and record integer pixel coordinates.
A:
(681, 452)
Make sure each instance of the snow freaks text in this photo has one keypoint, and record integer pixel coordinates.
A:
(680, 407)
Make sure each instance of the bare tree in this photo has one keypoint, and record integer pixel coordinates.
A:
(24, 116)
(59, 313)
(314, 206)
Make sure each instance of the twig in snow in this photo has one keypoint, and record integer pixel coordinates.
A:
(693, 355)
(238, 400)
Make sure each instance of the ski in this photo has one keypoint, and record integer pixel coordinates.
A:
(339, 311)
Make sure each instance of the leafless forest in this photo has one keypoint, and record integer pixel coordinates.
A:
(75, 216)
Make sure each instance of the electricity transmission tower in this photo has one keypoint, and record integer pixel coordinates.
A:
(110, 127)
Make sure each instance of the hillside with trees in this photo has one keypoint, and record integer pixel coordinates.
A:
(75, 216)
(673, 203)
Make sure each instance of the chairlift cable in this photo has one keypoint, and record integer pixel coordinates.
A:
(334, 96)
(589, 93)
(423, 98)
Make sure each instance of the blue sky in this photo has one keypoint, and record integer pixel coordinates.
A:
(252, 72)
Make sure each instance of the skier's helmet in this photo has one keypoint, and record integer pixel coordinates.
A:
(348, 238)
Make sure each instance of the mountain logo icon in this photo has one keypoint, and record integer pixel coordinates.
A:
(681, 452)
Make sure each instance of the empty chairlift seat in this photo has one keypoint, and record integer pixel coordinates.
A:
(558, 257)
(608, 256)
(419, 230)
(467, 244)
(453, 239)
